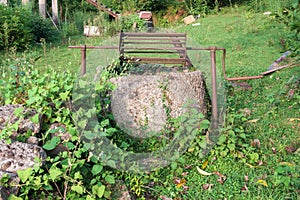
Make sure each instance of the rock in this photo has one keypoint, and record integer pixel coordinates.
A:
(32, 140)
(12, 187)
(9, 117)
(189, 19)
(120, 192)
(142, 104)
(19, 156)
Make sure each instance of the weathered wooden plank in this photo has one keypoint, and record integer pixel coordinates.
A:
(151, 38)
(124, 34)
(157, 60)
(151, 52)
(134, 42)
(155, 48)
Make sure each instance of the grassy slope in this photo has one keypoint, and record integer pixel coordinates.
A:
(253, 43)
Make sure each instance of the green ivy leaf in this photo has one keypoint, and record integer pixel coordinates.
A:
(110, 179)
(222, 139)
(35, 119)
(32, 92)
(70, 146)
(111, 163)
(18, 111)
(231, 147)
(24, 174)
(51, 144)
(98, 190)
(88, 197)
(77, 188)
(64, 95)
(89, 135)
(77, 175)
(204, 124)
(13, 197)
(96, 169)
(54, 173)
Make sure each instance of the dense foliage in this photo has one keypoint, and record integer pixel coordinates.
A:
(20, 28)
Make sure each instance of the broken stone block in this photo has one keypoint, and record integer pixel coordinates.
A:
(20, 156)
(12, 183)
(8, 117)
(189, 19)
(143, 103)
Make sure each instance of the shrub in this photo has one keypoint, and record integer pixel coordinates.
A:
(43, 28)
(20, 28)
(197, 6)
(127, 22)
(14, 28)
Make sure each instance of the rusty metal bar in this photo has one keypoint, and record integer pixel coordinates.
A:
(121, 44)
(93, 47)
(83, 54)
(83, 60)
(223, 65)
(214, 86)
(206, 48)
(243, 78)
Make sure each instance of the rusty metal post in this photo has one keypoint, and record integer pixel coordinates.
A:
(214, 86)
(83, 60)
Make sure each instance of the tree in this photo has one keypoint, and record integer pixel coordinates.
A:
(55, 11)
(154, 5)
(42, 8)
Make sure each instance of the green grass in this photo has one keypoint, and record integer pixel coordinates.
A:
(253, 43)
(272, 169)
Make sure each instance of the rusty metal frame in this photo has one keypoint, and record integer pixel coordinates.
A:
(212, 51)
(214, 96)
(83, 49)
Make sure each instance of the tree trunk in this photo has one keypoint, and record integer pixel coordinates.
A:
(55, 11)
(24, 2)
(61, 9)
(42, 8)
(3, 2)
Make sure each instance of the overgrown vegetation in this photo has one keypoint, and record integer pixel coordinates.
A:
(256, 157)
(20, 28)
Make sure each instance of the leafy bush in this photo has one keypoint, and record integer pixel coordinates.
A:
(14, 28)
(20, 28)
(154, 5)
(43, 28)
(269, 5)
(290, 16)
(127, 23)
(197, 6)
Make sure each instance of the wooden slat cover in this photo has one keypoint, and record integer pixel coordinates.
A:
(158, 60)
(144, 43)
(124, 34)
